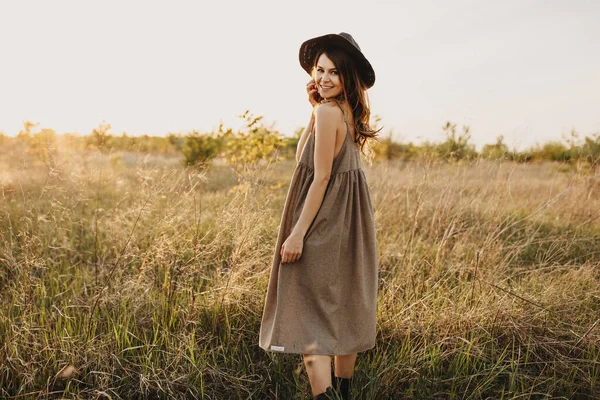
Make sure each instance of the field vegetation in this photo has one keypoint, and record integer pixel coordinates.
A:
(136, 267)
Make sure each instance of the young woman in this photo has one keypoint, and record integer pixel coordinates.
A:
(322, 295)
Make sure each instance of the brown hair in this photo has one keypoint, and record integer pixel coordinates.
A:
(354, 92)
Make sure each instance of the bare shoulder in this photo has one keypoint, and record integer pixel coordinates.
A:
(328, 111)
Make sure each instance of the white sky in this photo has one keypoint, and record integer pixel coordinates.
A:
(526, 69)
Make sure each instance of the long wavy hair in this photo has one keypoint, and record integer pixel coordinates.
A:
(355, 93)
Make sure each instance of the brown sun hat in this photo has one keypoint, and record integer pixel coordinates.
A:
(310, 48)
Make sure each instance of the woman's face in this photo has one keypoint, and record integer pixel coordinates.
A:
(327, 78)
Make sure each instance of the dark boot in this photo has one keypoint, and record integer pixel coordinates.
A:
(342, 386)
(328, 395)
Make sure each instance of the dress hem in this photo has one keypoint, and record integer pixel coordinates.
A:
(322, 353)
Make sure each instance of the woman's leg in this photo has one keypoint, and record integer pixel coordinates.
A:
(318, 368)
(344, 369)
(344, 365)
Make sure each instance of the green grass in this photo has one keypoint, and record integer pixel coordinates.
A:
(149, 279)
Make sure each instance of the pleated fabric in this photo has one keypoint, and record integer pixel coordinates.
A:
(326, 302)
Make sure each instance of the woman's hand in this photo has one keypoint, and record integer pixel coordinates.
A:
(291, 249)
(313, 93)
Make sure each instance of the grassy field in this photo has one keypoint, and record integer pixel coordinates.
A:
(127, 276)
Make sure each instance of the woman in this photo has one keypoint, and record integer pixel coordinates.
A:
(322, 295)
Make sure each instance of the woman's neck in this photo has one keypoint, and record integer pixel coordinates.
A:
(336, 99)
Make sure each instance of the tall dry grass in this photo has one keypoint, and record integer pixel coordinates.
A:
(128, 276)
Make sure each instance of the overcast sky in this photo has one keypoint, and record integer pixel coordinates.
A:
(525, 69)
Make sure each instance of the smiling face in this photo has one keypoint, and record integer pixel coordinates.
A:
(327, 78)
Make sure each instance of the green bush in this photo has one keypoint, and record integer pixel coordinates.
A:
(591, 149)
(553, 151)
(199, 149)
(176, 141)
(255, 142)
(456, 146)
(495, 151)
(388, 149)
(100, 138)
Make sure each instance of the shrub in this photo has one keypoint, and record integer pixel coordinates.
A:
(42, 146)
(176, 141)
(245, 149)
(495, 151)
(100, 138)
(553, 150)
(590, 149)
(199, 149)
(456, 146)
(388, 149)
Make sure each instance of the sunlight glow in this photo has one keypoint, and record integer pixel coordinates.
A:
(525, 70)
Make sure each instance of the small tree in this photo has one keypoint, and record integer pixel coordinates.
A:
(176, 141)
(199, 149)
(254, 143)
(43, 147)
(25, 135)
(456, 146)
(591, 150)
(288, 150)
(100, 138)
(551, 151)
(495, 151)
(389, 149)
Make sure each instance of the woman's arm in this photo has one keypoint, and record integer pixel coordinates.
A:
(304, 136)
(313, 98)
(325, 121)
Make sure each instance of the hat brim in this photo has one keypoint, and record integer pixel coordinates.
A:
(310, 48)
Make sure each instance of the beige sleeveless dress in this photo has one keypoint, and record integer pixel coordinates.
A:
(326, 302)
